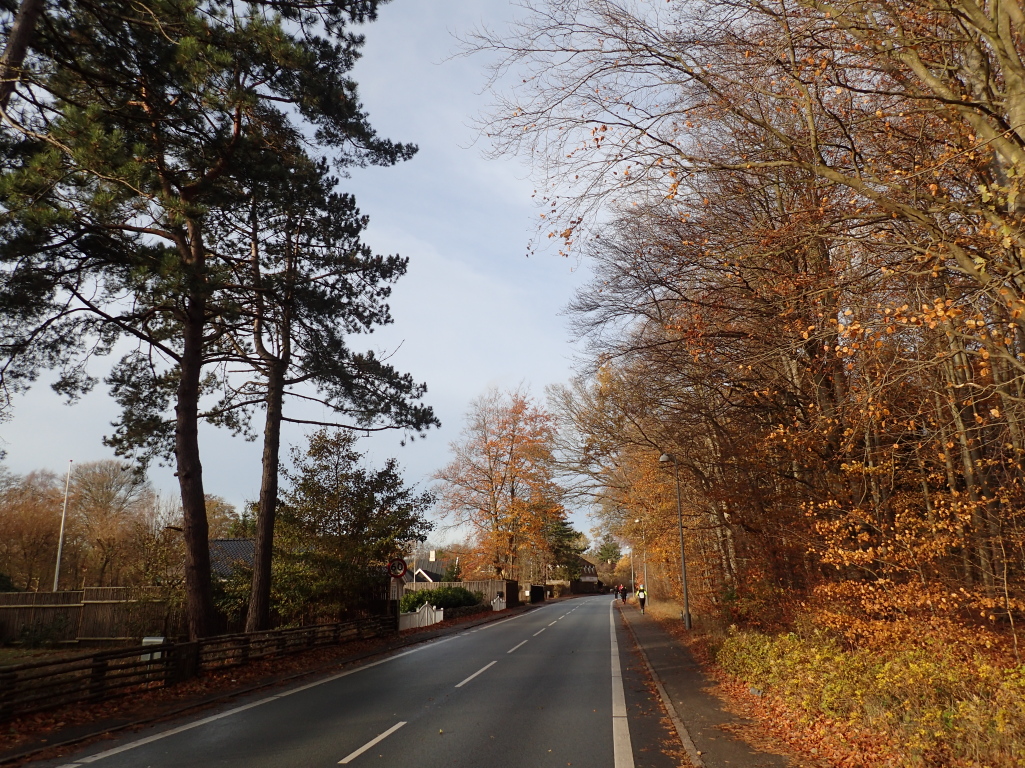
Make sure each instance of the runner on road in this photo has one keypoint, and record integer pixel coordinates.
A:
(642, 596)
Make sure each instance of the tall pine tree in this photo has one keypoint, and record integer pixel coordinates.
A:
(126, 133)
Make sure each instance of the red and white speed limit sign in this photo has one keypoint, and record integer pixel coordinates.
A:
(397, 568)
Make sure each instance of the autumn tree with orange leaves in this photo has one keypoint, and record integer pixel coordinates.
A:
(501, 485)
(807, 232)
(808, 238)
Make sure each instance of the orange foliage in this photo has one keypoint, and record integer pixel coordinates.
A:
(501, 484)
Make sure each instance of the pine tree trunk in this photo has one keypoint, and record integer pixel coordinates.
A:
(17, 46)
(258, 617)
(198, 591)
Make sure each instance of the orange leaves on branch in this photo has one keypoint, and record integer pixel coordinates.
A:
(501, 482)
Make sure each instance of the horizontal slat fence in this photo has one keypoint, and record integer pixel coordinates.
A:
(55, 614)
(38, 686)
(22, 599)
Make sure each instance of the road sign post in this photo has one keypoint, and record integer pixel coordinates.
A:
(396, 569)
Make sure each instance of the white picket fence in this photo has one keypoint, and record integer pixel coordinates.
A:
(424, 616)
(498, 604)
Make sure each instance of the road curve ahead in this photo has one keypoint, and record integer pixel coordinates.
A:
(542, 688)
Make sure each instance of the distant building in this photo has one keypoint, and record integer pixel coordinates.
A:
(588, 571)
(421, 574)
(586, 583)
(228, 555)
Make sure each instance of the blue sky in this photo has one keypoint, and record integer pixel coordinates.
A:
(473, 310)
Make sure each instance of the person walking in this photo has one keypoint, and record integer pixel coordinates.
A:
(642, 596)
(622, 593)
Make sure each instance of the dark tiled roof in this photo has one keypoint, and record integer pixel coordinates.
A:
(586, 566)
(432, 575)
(228, 554)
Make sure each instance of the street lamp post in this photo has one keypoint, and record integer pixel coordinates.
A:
(644, 554)
(665, 458)
(632, 579)
(60, 537)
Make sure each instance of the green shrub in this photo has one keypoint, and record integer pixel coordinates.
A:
(443, 597)
(940, 707)
(466, 610)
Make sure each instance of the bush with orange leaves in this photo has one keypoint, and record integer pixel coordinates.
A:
(941, 701)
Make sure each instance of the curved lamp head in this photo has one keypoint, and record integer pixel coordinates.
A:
(666, 458)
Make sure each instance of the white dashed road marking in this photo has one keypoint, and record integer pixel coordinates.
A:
(353, 755)
(482, 669)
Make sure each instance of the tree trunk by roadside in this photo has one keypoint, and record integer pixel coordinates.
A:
(198, 590)
(258, 616)
(17, 46)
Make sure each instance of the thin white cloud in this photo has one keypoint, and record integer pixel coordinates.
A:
(472, 312)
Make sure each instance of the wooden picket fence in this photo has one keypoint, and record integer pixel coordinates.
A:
(39, 686)
(424, 616)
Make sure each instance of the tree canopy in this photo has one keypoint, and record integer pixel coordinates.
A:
(114, 168)
(502, 484)
(807, 233)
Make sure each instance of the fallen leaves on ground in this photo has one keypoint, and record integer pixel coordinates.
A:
(775, 727)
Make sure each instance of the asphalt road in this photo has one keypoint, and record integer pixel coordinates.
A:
(542, 688)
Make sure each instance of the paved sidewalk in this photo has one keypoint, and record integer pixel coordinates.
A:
(698, 710)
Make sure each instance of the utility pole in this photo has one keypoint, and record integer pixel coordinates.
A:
(644, 555)
(60, 538)
(664, 459)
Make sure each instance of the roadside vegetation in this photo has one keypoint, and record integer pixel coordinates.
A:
(442, 597)
(937, 702)
(502, 487)
(807, 231)
(339, 521)
(181, 208)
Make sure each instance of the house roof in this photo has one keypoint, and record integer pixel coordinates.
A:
(422, 574)
(586, 566)
(228, 554)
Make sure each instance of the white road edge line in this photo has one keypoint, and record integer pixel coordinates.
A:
(482, 669)
(353, 755)
(622, 748)
(681, 729)
(516, 646)
(540, 631)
